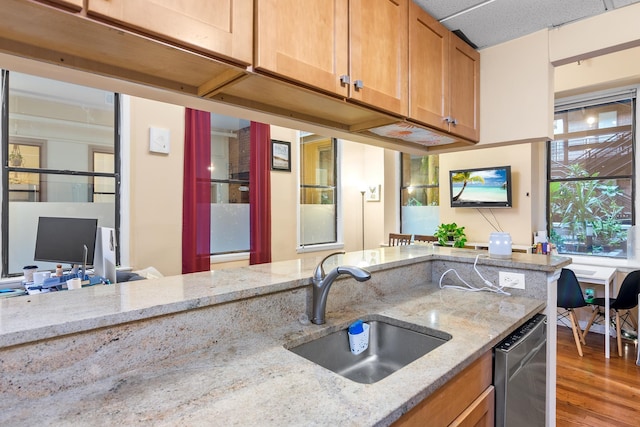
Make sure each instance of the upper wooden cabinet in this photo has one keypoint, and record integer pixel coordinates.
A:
(223, 28)
(61, 36)
(304, 41)
(379, 53)
(72, 4)
(351, 48)
(444, 75)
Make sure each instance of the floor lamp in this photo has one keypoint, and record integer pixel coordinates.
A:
(362, 193)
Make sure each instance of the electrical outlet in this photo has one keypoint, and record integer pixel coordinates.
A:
(511, 280)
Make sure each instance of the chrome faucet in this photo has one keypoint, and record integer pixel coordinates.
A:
(322, 283)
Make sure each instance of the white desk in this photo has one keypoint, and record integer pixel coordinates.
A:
(599, 276)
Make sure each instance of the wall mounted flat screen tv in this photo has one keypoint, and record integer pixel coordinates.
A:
(481, 187)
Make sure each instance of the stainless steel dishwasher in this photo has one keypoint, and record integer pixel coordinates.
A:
(519, 375)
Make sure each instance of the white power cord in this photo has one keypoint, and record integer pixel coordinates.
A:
(489, 287)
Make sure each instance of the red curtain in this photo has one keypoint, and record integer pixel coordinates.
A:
(260, 194)
(196, 203)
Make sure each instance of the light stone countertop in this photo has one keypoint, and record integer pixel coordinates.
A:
(253, 380)
(249, 377)
(35, 317)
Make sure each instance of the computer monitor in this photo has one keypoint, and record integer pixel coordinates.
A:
(63, 240)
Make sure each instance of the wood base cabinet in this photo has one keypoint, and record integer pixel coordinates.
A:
(444, 75)
(466, 400)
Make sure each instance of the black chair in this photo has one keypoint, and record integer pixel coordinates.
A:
(569, 298)
(626, 300)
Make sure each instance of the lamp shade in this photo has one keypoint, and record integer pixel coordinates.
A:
(500, 245)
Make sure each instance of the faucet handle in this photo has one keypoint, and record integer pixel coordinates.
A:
(318, 273)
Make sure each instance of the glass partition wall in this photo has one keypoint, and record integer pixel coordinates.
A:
(419, 210)
(60, 150)
(230, 162)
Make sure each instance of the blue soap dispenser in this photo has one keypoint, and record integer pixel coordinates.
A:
(358, 337)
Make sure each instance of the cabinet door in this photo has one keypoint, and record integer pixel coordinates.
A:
(378, 53)
(221, 27)
(465, 89)
(72, 4)
(305, 41)
(428, 69)
(467, 399)
(481, 413)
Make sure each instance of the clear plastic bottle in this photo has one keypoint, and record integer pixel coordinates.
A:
(59, 270)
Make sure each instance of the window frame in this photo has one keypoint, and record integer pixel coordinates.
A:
(595, 99)
(336, 243)
(4, 146)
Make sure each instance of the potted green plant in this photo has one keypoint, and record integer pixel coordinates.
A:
(451, 233)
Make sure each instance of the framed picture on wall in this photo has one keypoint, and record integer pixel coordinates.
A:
(280, 155)
(373, 193)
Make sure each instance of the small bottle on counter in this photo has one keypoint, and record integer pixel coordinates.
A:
(59, 270)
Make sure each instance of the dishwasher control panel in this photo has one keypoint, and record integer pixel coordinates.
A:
(521, 332)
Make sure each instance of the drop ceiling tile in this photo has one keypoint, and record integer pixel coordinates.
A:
(504, 20)
(442, 8)
(497, 21)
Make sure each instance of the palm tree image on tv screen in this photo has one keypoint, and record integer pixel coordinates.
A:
(484, 187)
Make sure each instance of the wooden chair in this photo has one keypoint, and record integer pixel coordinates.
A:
(396, 239)
(424, 238)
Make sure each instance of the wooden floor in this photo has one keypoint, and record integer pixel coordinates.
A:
(594, 391)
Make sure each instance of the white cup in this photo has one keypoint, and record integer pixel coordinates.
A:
(28, 272)
(74, 283)
(40, 276)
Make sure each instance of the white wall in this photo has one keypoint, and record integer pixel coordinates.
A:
(517, 220)
(615, 30)
(155, 199)
(516, 91)
(360, 164)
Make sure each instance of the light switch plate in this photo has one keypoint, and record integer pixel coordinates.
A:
(159, 140)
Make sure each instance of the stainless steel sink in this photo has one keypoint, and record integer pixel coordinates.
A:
(392, 345)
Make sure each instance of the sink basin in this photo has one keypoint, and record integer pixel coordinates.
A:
(392, 345)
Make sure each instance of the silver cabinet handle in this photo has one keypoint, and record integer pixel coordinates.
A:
(358, 84)
(344, 80)
(450, 120)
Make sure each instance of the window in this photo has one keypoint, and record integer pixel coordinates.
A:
(103, 186)
(590, 176)
(59, 140)
(318, 190)
(419, 204)
(230, 161)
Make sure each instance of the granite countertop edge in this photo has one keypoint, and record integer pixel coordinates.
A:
(91, 308)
